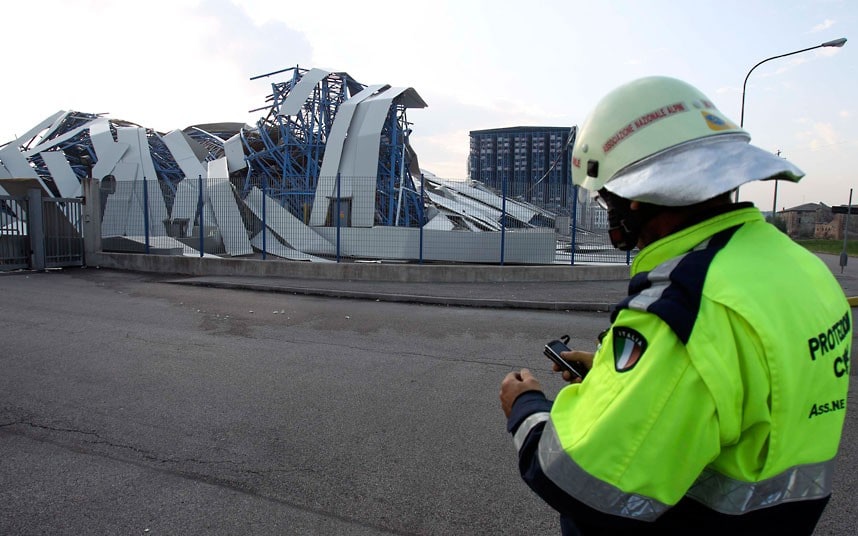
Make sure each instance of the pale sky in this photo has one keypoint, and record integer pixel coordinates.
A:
(477, 63)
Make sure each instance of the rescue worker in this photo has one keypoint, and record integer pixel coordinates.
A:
(715, 401)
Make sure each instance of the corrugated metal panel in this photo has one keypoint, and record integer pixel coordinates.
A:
(107, 151)
(469, 213)
(296, 98)
(289, 228)
(229, 222)
(360, 155)
(62, 173)
(331, 164)
(278, 249)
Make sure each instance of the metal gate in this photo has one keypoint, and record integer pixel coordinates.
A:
(14, 240)
(40, 232)
(63, 231)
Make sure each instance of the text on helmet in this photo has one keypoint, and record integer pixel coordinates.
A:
(641, 122)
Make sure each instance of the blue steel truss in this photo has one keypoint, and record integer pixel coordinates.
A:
(166, 168)
(397, 200)
(71, 121)
(212, 143)
(285, 152)
(78, 149)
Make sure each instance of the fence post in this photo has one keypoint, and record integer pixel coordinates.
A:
(422, 215)
(339, 217)
(36, 229)
(503, 219)
(264, 218)
(574, 225)
(146, 212)
(200, 214)
(91, 218)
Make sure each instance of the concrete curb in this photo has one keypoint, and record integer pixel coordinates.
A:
(406, 298)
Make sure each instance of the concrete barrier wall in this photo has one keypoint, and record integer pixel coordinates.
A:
(408, 273)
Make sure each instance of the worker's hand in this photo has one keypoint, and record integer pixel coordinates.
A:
(513, 385)
(574, 355)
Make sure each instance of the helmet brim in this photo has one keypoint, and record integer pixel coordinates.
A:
(699, 170)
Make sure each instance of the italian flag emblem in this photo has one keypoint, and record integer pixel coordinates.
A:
(629, 346)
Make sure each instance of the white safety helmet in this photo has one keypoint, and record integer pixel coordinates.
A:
(659, 140)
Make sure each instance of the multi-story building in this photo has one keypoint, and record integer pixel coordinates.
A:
(529, 164)
(533, 164)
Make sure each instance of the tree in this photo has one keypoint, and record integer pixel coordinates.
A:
(778, 222)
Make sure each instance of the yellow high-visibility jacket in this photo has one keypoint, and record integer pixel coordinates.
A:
(716, 399)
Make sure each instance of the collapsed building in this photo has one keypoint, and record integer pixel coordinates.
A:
(327, 171)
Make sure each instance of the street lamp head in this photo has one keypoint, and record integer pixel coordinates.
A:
(836, 43)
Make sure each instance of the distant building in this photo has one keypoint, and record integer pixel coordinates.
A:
(600, 218)
(829, 231)
(811, 220)
(844, 216)
(530, 164)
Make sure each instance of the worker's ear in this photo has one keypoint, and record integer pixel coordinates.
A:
(635, 205)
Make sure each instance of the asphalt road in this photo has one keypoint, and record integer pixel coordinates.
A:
(131, 406)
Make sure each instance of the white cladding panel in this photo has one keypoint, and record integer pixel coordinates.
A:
(107, 151)
(13, 165)
(44, 124)
(275, 247)
(124, 211)
(464, 211)
(184, 155)
(298, 96)
(67, 182)
(234, 151)
(331, 164)
(229, 222)
(289, 228)
(186, 201)
(363, 150)
(520, 247)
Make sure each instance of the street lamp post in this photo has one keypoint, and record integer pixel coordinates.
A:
(844, 257)
(835, 43)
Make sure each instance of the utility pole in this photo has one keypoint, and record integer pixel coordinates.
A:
(775, 199)
(843, 256)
